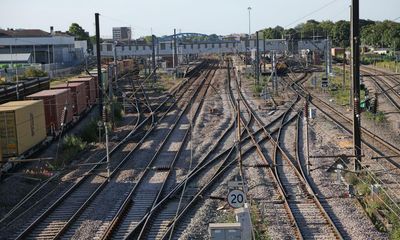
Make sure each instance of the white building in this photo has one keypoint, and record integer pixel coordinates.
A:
(45, 48)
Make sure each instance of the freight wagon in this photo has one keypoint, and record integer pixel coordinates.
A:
(22, 127)
(25, 125)
(90, 86)
(57, 108)
(78, 92)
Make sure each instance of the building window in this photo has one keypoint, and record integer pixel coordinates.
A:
(219, 45)
(109, 47)
(162, 46)
(212, 45)
(227, 45)
(184, 46)
(144, 47)
(191, 46)
(123, 48)
(198, 46)
(130, 47)
(206, 45)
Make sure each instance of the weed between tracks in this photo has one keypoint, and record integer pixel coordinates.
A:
(379, 117)
(377, 205)
(259, 222)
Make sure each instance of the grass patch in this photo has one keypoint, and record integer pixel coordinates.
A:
(341, 94)
(379, 117)
(166, 81)
(389, 65)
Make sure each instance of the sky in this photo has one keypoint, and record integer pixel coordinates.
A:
(160, 17)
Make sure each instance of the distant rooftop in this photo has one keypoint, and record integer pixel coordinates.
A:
(29, 33)
(23, 33)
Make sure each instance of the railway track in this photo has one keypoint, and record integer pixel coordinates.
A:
(187, 199)
(304, 209)
(387, 89)
(346, 123)
(159, 168)
(92, 181)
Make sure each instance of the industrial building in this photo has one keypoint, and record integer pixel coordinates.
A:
(44, 47)
(122, 33)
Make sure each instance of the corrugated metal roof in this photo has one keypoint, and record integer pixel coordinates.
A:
(15, 57)
(49, 92)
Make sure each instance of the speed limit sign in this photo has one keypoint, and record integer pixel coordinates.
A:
(236, 198)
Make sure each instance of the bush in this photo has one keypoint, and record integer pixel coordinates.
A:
(32, 72)
(72, 141)
(71, 146)
(118, 111)
(90, 131)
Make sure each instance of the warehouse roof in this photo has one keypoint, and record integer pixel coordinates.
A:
(23, 33)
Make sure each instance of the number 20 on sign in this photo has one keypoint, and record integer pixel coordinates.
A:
(236, 198)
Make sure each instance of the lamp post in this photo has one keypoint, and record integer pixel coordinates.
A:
(248, 47)
(249, 8)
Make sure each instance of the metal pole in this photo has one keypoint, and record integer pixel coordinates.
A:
(175, 50)
(351, 59)
(34, 53)
(257, 59)
(107, 152)
(344, 68)
(16, 75)
(48, 54)
(355, 42)
(248, 47)
(264, 49)
(307, 141)
(100, 82)
(153, 56)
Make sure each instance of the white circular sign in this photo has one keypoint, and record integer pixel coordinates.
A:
(236, 198)
(99, 123)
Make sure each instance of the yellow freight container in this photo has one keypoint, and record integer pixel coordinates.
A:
(22, 126)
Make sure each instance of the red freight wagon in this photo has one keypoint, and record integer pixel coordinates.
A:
(54, 103)
(95, 82)
(90, 88)
(78, 95)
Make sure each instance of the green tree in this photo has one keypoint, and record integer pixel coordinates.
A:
(341, 33)
(76, 30)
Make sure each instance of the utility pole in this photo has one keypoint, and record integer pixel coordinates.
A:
(355, 48)
(100, 82)
(175, 50)
(264, 50)
(248, 40)
(351, 58)
(110, 85)
(153, 56)
(257, 60)
(344, 67)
